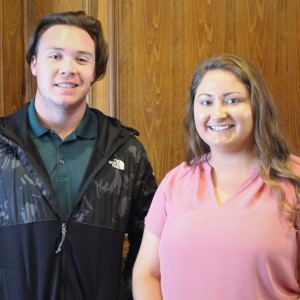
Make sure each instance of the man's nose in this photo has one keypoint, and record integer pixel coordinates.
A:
(67, 67)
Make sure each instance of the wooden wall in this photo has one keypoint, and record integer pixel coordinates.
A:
(162, 41)
(155, 46)
(12, 65)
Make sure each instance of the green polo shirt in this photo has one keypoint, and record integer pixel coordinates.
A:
(66, 160)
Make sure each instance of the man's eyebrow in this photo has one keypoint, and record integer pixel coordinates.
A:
(81, 52)
(54, 48)
(86, 53)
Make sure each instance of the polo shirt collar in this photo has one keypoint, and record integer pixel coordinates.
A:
(87, 129)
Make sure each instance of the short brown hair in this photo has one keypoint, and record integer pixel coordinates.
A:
(79, 19)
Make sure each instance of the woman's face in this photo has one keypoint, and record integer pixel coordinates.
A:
(223, 113)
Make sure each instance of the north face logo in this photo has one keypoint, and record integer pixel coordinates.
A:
(118, 164)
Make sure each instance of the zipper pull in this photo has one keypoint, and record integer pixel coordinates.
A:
(63, 236)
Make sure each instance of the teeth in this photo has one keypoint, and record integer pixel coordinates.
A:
(66, 85)
(220, 127)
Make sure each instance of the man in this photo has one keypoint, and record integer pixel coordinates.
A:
(73, 181)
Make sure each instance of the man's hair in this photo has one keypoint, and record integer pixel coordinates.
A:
(78, 19)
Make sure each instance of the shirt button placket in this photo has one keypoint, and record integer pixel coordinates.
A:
(61, 159)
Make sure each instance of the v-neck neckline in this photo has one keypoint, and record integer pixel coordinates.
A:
(208, 173)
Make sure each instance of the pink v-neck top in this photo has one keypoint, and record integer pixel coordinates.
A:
(244, 249)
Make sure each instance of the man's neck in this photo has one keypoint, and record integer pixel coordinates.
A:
(62, 121)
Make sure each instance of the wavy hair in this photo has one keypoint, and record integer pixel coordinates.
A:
(81, 20)
(273, 151)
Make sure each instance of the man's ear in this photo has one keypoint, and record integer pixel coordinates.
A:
(33, 65)
(94, 75)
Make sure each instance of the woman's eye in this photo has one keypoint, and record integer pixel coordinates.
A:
(232, 100)
(204, 102)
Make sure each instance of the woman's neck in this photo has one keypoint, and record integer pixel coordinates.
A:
(225, 160)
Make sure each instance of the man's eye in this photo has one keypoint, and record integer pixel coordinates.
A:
(82, 60)
(54, 56)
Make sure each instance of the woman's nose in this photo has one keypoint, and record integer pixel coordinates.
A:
(219, 111)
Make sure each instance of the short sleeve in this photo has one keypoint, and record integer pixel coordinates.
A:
(162, 206)
(156, 217)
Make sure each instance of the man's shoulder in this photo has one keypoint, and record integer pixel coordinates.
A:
(22, 110)
(112, 123)
(15, 118)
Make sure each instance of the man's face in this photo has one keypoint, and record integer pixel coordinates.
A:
(64, 67)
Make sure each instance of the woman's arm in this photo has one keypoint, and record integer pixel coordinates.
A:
(146, 271)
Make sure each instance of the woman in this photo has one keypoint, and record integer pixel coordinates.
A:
(223, 224)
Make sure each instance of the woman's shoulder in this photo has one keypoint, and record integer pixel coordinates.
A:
(183, 171)
(179, 171)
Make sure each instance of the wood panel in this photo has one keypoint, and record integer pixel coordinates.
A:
(12, 57)
(162, 41)
(105, 91)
